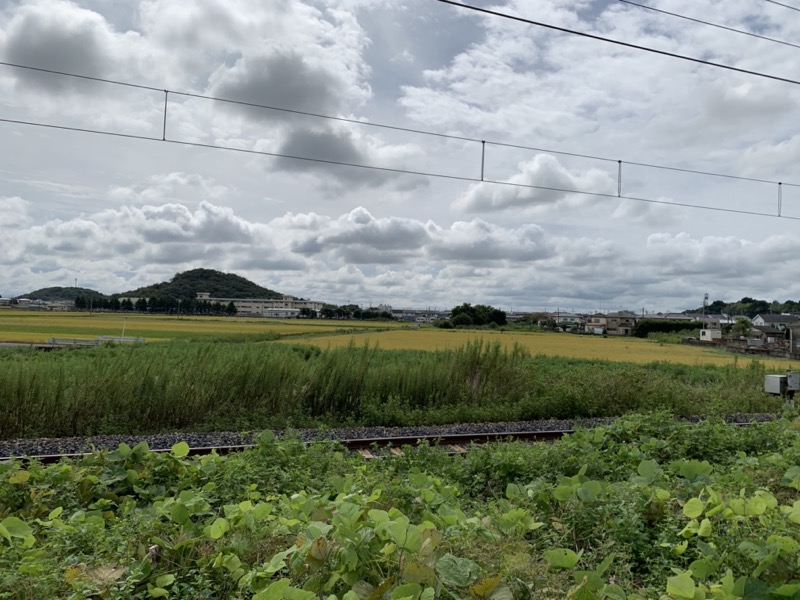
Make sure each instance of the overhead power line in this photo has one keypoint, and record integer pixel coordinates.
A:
(376, 125)
(619, 42)
(482, 179)
(784, 5)
(702, 22)
(403, 171)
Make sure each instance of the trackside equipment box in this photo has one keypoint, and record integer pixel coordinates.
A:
(782, 385)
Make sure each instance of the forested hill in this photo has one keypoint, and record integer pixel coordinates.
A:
(219, 285)
(61, 294)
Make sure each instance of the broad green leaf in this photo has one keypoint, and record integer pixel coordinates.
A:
(378, 516)
(406, 591)
(705, 528)
(562, 493)
(613, 592)
(693, 508)
(589, 491)
(419, 573)
(274, 591)
(179, 514)
(157, 592)
(788, 589)
(460, 572)
(16, 528)
(561, 558)
(792, 477)
(218, 528)
(603, 566)
(692, 469)
(681, 586)
(165, 580)
(649, 470)
(428, 594)
(703, 567)
(679, 549)
(4, 532)
(483, 588)
(55, 513)
(180, 450)
(19, 477)
(298, 594)
(755, 506)
(514, 492)
(794, 512)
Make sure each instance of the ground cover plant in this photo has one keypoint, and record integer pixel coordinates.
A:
(246, 386)
(645, 508)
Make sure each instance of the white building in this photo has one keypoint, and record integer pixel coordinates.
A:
(284, 307)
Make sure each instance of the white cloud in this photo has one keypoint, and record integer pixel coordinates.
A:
(540, 181)
(117, 213)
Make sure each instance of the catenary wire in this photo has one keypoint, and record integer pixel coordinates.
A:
(701, 21)
(394, 170)
(784, 5)
(619, 42)
(391, 127)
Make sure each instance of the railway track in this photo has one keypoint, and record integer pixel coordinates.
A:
(368, 447)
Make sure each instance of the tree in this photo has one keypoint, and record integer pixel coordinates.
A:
(80, 302)
(231, 309)
(480, 314)
(461, 319)
(741, 328)
(141, 305)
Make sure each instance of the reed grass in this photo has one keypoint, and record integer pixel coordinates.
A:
(206, 386)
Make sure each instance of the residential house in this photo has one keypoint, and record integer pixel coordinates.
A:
(779, 322)
(620, 323)
(566, 320)
(595, 324)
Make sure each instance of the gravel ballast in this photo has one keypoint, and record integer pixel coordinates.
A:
(164, 441)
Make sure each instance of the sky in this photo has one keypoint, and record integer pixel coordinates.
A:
(537, 218)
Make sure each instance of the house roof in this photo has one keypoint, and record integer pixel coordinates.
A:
(777, 318)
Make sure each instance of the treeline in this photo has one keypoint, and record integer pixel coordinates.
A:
(645, 327)
(157, 304)
(467, 315)
(193, 306)
(750, 307)
(350, 311)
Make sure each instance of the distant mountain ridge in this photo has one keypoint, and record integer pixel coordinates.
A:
(182, 285)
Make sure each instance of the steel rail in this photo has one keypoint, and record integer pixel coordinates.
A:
(362, 445)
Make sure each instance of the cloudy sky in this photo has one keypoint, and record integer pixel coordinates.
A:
(117, 212)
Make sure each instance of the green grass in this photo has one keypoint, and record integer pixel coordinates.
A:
(207, 386)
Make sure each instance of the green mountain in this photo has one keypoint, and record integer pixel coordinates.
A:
(62, 294)
(219, 285)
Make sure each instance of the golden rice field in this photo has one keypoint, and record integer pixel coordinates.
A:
(623, 349)
(38, 327)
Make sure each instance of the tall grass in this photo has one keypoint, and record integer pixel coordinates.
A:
(255, 385)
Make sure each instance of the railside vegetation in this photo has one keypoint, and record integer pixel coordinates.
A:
(645, 508)
(228, 386)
